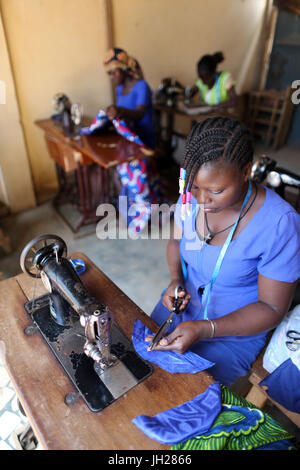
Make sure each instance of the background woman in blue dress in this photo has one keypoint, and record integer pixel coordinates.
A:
(133, 95)
(255, 284)
(139, 178)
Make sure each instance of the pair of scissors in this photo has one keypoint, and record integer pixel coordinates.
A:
(166, 324)
(294, 342)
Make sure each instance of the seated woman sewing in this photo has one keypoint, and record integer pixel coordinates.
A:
(216, 89)
(139, 178)
(133, 95)
(236, 253)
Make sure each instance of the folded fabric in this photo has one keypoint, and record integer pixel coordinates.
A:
(125, 132)
(180, 423)
(283, 385)
(171, 361)
(240, 426)
(101, 121)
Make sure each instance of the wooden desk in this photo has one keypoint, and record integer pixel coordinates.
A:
(42, 385)
(166, 115)
(91, 158)
(165, 130)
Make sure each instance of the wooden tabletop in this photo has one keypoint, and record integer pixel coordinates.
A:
(42, 385)
(201, 116)
(107, 150)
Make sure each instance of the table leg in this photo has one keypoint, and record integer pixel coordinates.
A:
(87, 191)
(62, 183)
(93, 183)
(97, 178)
(107, 185)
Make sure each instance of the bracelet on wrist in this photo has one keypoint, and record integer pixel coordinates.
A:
(213, 327)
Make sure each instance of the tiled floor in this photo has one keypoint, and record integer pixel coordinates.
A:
(12, 421)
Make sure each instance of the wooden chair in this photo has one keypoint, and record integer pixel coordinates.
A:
(269, 114)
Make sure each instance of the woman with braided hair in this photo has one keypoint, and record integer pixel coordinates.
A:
(235, 252)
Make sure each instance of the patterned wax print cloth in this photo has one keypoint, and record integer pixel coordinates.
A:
(240, 426)
(140, 182)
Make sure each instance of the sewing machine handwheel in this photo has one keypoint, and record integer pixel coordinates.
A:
(30, 250)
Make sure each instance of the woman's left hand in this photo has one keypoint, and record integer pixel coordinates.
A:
(183, 337)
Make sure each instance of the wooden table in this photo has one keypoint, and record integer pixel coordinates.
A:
(165, 120)
(42, 385)
(91, 158)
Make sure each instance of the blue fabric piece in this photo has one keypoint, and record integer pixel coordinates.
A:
(285, 444)
(181, 423)
(284, 385)
(140, 95)
(170, 361)
(232, 358)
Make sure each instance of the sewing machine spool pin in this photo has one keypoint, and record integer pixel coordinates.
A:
(95, 354)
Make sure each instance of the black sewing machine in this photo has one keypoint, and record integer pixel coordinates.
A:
(68, 114)
(169, 91)
(98, 358)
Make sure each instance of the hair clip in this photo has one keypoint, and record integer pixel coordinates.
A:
(188, 202)
(183, 206)
(182, 180)
(181, 186)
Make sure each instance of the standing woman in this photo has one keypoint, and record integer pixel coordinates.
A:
(235, 251)
(215, 88)
(134, 105)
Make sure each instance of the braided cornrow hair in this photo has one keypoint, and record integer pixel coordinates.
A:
(209, 141)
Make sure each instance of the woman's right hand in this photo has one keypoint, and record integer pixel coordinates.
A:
(169, 296)
(112, 112)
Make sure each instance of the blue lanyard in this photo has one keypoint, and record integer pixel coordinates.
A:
(208, 287)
